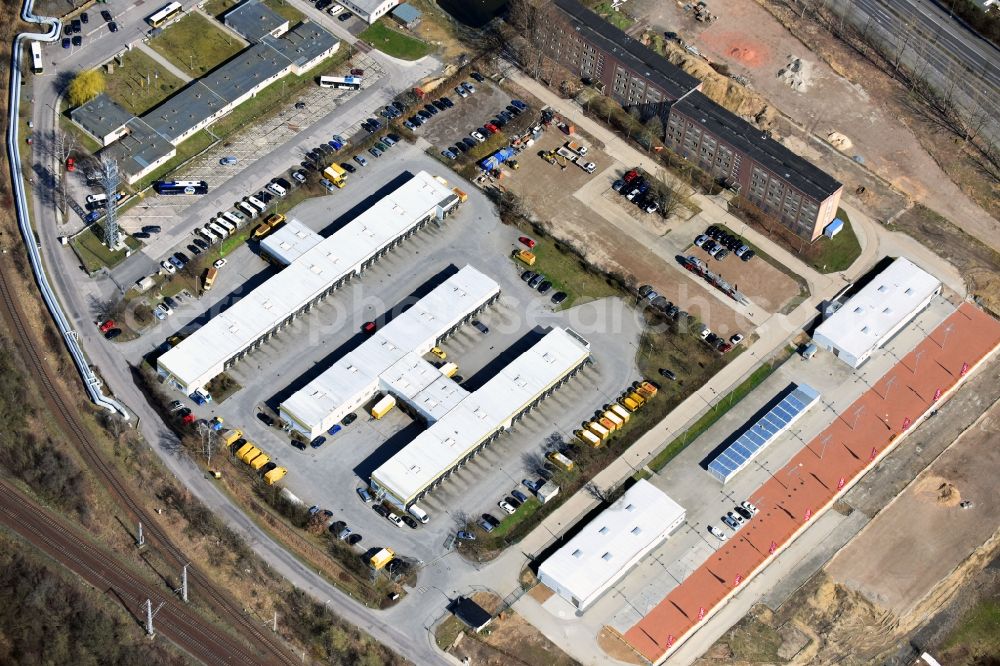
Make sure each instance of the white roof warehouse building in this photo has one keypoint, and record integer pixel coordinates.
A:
(312, 276)
(871, 317)
(390, 361)
(480, 418)
(611, 544)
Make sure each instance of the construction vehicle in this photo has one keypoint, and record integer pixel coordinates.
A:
(260, 461)
(577, 148)
(588, 438)
(599, 430)
(548, 156)
(525, 256)
(275, 475)
(336, 175)
(231, 436)
(382, 558)
(384, 406)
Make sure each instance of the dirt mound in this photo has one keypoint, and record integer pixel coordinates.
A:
(839, 141)
(938, 490)
(797, 74)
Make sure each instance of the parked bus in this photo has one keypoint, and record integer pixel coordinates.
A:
(166, 13)
(180, 187)
(340, 82)
(36, 57)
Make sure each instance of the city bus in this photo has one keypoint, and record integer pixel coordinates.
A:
(165, 13)
(340, 82)
(180, 187)
(36, 57)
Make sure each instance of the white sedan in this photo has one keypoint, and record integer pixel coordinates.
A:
(219, 263)
(717, 533)
(168, 267)
(478, 136)
(461, 92)
(506, 508)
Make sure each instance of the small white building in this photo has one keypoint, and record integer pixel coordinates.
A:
(611, 544)
(871, 317)
(369, 11)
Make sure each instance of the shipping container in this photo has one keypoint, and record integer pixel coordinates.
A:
(275, 475)
(383, 406)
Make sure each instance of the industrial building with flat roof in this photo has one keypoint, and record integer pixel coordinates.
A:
(290, 241)
(310, 278)
(390, 361)
(254, 20)
(877, 312)
(153, 137)
(480, 418)
(611, 544)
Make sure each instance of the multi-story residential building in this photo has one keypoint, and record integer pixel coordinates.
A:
(774, 179)
(801, 196)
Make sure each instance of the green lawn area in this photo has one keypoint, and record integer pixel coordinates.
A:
(510, 522)
(836, 254)
(446, 632)
(185, 151)
(195, 45)
(567, 273)
(613, 16)
(976, 640)
(722, 405)
(394, 43)
(128, 85)
(94, 254)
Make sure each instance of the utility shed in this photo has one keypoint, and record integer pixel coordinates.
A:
(871, 317)
(471, 613)
(611, 544)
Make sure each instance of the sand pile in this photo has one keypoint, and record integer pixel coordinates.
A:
(839, 141)
(938, 490)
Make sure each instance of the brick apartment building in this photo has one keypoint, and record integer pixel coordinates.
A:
(797, 193)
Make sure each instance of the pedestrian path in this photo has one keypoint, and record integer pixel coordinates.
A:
(163, 62)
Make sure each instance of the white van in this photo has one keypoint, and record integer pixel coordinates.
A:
(218, 230)
(419, 514)
(335, 9)
(97, 198)
(234, 218)
(257, 203)
(247, 209)
(277, 189)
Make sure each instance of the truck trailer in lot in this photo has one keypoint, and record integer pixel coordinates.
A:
(251, 453)
(231, 436)
(621, 412)
(599, 430)
(383, 406)
(244, 449)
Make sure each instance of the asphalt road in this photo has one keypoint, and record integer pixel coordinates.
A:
(954, 52)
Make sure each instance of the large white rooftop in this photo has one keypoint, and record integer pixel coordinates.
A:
(203, 355)
(876, 311)
(611, 543)
(290, 241)
(396, 344)
(453, 436)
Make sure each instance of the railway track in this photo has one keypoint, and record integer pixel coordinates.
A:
(220, 602)
(61, 541)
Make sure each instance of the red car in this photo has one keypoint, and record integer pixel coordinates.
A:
(630, 176)
(188, 418)
(530, 242)
(107, 326)
(492, 128)
(357, 72)
(369, 327)
(70, 164)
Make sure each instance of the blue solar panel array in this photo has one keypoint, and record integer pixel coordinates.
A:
(762, 432)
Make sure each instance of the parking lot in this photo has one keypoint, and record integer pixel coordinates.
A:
(329, 475)
(468, 114)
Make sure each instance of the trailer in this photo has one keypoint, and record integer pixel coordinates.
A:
(588, 437)
(243, 450)
(231, 436)
(496, 159)
(260, 461)
(275, 475)
(382, 558)
(251, 453)
(383, 406)
(620, 412)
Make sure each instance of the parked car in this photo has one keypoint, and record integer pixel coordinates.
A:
(530, 242)
(375, 152)
(669, 374)
(410, 522)
(466, 536)
(478, 77)
(468, 87)
(533, 486)
(364, 495)
(506, 507)
(544, 286)
(478, 136)
(447, 152)
(559, 297)
(106, 15)
(349, 419)
(299, 176)
(736, 339)
(732, 524)
(461, 92)
(488, 523)
(228, 161)
(746, 515)
(318, 442)
(348, 167)
(265, 419)
(519, 496)
(369, 327)
(77, 40)
(394, 519)
(717, 533)
(748, 506)
(519, 104)
(66, 42)
(480, 326)
(168, 266)
(361, 160)
(334, 429)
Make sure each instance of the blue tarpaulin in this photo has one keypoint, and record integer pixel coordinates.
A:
(497, 158)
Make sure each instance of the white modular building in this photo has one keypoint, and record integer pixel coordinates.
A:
(390, 361)
(877, 312)
(310, 277)
(481, 417)
(611, 544)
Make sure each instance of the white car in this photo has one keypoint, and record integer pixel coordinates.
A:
(477, 136)
(168, 267)
(334, 10)
(160, 314)
(735, 340)
(394, 519)
(748, 506)
(299, 176)
(590, 167)
(506, 508)
(461, 92)
(717, 533)
(219, 263)
(330, 187)
(737, 517)
(700, 240)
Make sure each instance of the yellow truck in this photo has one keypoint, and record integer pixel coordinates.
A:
(243, 450)
(449, 369)
(613, 418)
(607, 423)
(269, 225)
(383, 406)
(588, 438)
(525, 256)
(382, 558)
(629, 404)
(210, 276)
(647, 390)
(251, 453)
(462, 196)
(560, 460)
(231, 436)
(260, 461)
(637, 397)
(336, 175)
(275, 475)
(620, 411)
(599, 430)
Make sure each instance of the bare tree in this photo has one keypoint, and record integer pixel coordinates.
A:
(107, 308)
(64, 145)
(598, 493)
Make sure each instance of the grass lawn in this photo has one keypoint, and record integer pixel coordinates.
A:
(567, 273)
(185, 151)
(838, 253)
(128, 84)
(196, 46)
(510, 522)
(613, 16)
(446, 632)
(95, 254)
(976, 640)
(723, 405)
(393, 43)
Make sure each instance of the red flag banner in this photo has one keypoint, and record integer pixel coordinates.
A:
(965, 368)
(907, 423)
(670, 640)
(701, 613)
(840, 483)
(809, 514)
(874, 453)
(774, 547)
(937, 395)
(739, 579)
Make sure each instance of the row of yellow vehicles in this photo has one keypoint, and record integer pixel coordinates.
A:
(269, 225)
(254, 457)
(615, 415)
